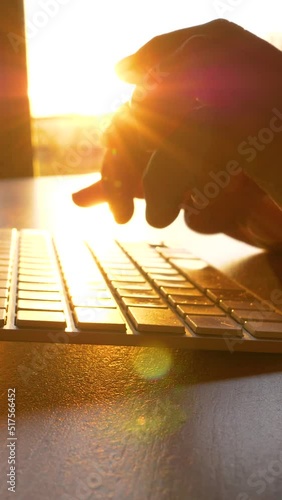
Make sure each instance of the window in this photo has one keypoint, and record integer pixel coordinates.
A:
(72, 47)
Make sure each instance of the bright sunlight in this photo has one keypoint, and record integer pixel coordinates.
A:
(73, 46)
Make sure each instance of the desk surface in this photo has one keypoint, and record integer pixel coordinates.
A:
(96, 423)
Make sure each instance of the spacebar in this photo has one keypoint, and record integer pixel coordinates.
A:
(155, 320)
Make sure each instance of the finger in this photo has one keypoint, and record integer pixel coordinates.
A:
(134, 67)
(121, 206)
(183, 163)
(120, 203)
(91, 195)
(167, 178)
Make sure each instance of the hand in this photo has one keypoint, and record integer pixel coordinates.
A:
(199, 94)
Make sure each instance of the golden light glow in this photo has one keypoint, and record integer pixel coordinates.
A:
(153, 363)
(154, 418)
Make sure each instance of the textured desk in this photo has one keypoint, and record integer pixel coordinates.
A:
(138, 423)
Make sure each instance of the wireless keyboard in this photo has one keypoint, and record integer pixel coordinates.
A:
(129, 294)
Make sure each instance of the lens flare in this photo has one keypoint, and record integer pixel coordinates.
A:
(153, 363)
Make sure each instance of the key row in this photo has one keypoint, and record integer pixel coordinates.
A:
(91, 301)
(7, 242)
(262, 322)
(39, 294)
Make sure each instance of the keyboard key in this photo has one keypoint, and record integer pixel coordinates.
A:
(5, 256)
(121, 266)
(114, 262)
(4, 292)
(35, 260)
(37, 279)
(130, 286)
(178, 284)
(160, 274)
(211, 278)
(5, 262)
(34, 254)
(89, 290)
(35, 295)
(264, 330)
(189, 300)
(150, 261)
(41, 319)
(99, 319)
(3, 303)
(5, 283)
(5, 270)
(241, 316)
(129, 279)
(90, 294)
(240, 294)
(155, 320)
(146, 294)
(3, 317)
(248, 305)
(176, 291)
(94, 302)
(200, 310)
(39, 305)
(160, 280)
(120, 274)
(176, 253)
(5, 278)
(158, 267)
(40, 287)
(37, 272)
(35, 267)
(188, 263)
(142, 302)
(214, 325)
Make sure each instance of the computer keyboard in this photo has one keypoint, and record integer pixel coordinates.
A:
(128, 294)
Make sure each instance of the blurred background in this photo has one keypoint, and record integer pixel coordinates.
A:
(72, 48)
